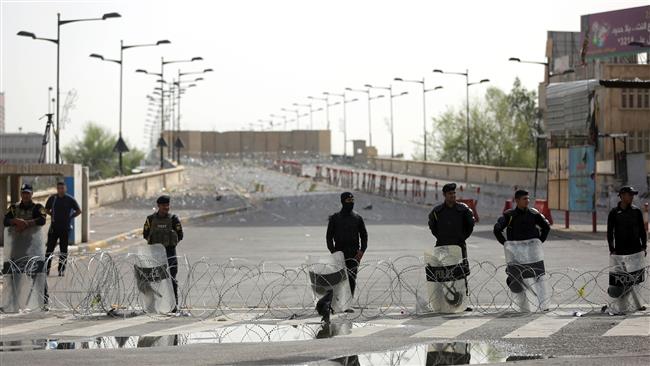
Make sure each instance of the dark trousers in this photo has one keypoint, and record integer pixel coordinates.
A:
(54, 235)
(353, 267)
(172, 262)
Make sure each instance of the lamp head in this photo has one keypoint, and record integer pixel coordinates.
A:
(26, 34)
(111, 15)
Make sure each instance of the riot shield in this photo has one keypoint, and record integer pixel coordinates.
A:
(23, 270)
(526, 274)
(328, 277)
(156, 294)
(626, 275)
(457, 353)
(446, 273)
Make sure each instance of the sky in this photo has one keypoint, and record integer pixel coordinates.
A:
(268, 55)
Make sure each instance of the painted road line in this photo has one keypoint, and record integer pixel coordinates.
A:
(453, 328)
(205, 325)
(107, 326)
(542, 327)
(35, 325)
(636, 326)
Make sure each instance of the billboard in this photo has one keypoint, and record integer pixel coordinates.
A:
(582, 178)
(609, 34)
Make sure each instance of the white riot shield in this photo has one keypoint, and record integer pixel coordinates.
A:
(23, 270)
(446, 279)
(156, 294)
(330, 274)
(457, 353)
(526, 274)
(626, 275)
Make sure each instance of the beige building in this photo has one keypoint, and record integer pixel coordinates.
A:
(208, 144)
(618, 111)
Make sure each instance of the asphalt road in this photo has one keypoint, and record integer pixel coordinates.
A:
(287, 222)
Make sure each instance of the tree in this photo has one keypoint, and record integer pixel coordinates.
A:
(95, 150)
(503, 129)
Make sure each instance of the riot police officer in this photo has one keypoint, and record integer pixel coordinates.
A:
(451, 222)
(22, 218)
(626, 233)
(26, 213)
(522, 222)
(165, 228)
(344, 231)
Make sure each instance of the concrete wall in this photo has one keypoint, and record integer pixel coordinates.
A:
(104, 192)
(477, 174)
(210, 143)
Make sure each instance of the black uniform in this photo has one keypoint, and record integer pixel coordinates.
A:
(452, 225)
(62, 208)
(626, 231)
(344, 230)
(172, 260)
(522, 225)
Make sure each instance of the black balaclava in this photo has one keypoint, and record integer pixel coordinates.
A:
(347, 202)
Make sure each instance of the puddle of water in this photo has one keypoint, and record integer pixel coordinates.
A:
(232, 334)
(436, 354)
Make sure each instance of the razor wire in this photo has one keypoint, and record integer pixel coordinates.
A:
(244, 290)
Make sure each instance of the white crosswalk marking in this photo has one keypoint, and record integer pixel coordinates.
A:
(106, 326)
(205, 325)
(635, 326)
(453, 328)
(34, 325)
(542, 327)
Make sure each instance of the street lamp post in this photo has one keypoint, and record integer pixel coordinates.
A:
(424, 107)
(345, 118)
(311, 113)
(120, 145)
(284, 118)
(370, 98)
(327, 109)
(178, 142)
(297, 116)
(392, 96)
(538, 131)
(467, 85)
(57, 41)
(549, 73)
(162, 144)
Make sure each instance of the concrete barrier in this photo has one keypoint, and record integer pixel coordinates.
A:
(477, 174)
(113, 190)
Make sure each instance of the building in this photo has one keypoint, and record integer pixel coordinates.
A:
(578, 85)
(2, 112)
(20, 148)
(212, 144)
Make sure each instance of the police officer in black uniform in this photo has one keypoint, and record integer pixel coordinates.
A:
(626, 232)
(344, 230)
(165, 228)
(522, 222)
(451, 222)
